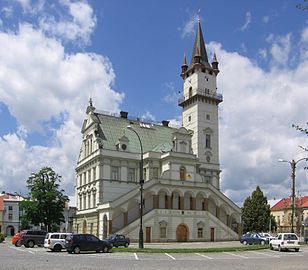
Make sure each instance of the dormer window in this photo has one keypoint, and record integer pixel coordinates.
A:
(190, 92)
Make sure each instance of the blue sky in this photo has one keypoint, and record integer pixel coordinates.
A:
(126, 55)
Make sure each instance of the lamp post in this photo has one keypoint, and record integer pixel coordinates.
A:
(293, 164)
(141, 182)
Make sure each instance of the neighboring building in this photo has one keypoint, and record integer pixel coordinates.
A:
(282, 211)
(182, 197)
(69, 213)
(9, 213)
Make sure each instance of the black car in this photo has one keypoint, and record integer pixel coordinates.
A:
(118, 240)
(86, 242)
(30, 238)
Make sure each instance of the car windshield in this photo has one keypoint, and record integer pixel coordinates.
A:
(110, 237)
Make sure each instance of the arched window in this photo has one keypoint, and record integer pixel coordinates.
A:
(190, 92)
(182, 173)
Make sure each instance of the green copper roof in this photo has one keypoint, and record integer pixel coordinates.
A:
(153, 137)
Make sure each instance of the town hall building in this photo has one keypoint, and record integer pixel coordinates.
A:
(180, 174)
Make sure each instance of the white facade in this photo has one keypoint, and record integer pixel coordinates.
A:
(181, 201)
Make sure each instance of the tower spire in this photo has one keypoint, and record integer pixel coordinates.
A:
(199, 47)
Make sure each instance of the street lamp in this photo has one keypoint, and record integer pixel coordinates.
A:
(141, 182)
(293, 167)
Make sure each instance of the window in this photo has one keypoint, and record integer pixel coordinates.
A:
(131, 175)
(10, 216)
(207, 140)
(200, 232)
(189, 118)
(94, 173)
(84, 178)
(182, 173)
(155, 172)
(84, 201)
(115, 173)
(89, 200)
(144, 173)
(94, 199)
(89, 176)
(91, 227)
(10, 207)
(55, 236)
(80, 202)
(163, 232)
(208, 116)
(190, 92)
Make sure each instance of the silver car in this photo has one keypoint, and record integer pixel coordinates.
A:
(55, 241)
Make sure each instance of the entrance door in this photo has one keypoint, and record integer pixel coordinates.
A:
(182, 233)
(148, 234)
(212, 234)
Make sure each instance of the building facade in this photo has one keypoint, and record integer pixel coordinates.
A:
(282, 212)
(9, 213)
(182, 200)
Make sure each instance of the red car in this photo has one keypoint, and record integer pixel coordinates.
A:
(15, 239)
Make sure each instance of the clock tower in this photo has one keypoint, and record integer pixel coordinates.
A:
(200, 108)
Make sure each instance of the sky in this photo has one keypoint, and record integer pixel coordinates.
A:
(127, 55)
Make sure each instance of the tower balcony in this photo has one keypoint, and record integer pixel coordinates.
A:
(202, 94)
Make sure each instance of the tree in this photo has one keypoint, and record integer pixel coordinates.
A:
(256, 213)
(46, 200)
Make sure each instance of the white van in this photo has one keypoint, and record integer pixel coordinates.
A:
(55, 241)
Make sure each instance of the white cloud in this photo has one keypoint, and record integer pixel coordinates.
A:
(257, 114)
(280, 48)
(247, 21)
(304, 35)
(32, 7)
(78, 26)
(262, 53)
(148, 117)
(189, 27)
(7, 11)
(41, 84)
(171, 93)
(265, 19)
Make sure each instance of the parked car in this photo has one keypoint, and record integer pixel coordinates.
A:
(86, 242)
(55, 241)
(253, 238)
(16, 239)
(285, 241)
(118, 240)
(267, 235)
(30, 238)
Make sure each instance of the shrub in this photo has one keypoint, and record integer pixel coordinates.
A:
(1, 237)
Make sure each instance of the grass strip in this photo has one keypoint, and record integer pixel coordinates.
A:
(191, 250)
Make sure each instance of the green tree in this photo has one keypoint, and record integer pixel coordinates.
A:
(256, 213)
(46, 200)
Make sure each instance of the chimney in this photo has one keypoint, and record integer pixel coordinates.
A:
(165, 123)
(123, 114)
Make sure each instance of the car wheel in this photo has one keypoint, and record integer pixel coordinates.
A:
(76, 250)
(105, 249)
(18, 243)
(126, 245)
(297, 250)
(271, 247)
(30, 244)
(57, 248)
(262, 242)
(245, 243)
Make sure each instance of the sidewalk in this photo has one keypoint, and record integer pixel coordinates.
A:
(190, 245)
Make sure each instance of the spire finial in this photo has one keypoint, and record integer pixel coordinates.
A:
(91, 102)
(184, 61)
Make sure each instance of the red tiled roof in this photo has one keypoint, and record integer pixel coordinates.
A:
(286, 202)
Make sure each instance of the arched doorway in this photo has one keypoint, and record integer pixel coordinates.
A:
(182, 233)
(10, 230)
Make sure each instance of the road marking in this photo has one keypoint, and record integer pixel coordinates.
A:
(170, 256)
(265, 254)
(236, 255)
(210, 258)
(136, 257)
